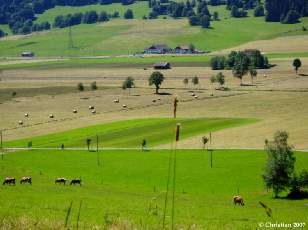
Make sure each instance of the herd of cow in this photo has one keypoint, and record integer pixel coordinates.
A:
(28, 180)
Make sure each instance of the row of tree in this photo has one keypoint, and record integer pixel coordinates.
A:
(17, 14)
(254, 59)
(88, 17)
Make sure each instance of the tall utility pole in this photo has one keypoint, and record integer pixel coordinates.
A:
(70, 38)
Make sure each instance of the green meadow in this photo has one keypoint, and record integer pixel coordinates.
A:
(121, 36)
(130, 186)
(130, 133)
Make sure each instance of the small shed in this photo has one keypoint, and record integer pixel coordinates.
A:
(162, 65)
(27, 54)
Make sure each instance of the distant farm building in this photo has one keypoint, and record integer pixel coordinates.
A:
(184, 49)
(27, 54)
(162, 65)
(157, 49)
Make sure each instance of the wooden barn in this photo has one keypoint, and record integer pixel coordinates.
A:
(27, 54)
(162, 65)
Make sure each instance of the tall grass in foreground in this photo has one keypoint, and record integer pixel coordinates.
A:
(25, 223)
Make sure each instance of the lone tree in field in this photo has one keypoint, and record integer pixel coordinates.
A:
(185, 81)
(279, 167)
(156, 79)
(297, 64)
(195, 80)
(219, 78)
(143, 144)
(80, 87)
(253, 73)
(241, 66)
(205, 140)
(128, 84)
(93, 85)
(88, 143)
(128, 14)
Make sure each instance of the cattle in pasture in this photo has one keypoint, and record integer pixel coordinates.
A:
(91, 107)
(51, 116)
(60, 181)
(196, 97)
(238, 200)
(75, 182)
(20, 122)
(9, 181)
(26, 114)
(75, 111)
(117, 100)
(25, 180)
(93, 111)
(124, 106)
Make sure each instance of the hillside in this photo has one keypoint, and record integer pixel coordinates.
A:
(120, 36)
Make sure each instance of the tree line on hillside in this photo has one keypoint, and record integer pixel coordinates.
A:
(197, 17)
(19, 15)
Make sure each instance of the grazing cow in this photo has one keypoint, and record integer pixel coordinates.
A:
(91, 107)
(9, 181)
(76, 181)
(75, 111)
(26, 115)
(124, 106)
(20, 122)
(238, 200)
(93, 111)
(26, 179)
(116, 100)
(60, 181)
(51, 116)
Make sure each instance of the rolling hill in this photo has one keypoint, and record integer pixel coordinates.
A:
(120, 36)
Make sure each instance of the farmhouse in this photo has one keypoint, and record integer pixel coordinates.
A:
(157, 49)
(27, 54)
(162, 65)
(184, 49)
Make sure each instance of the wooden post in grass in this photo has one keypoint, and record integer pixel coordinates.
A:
(177, 137)
(211, 150)
(96, 143)
(175, 105)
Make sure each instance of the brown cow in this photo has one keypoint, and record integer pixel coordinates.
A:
(25, 180)
(76, 181)
(238, 200)
(9, 181)
(60, 181)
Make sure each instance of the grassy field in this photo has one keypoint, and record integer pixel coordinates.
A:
(129, 186)
(129, 36)
(130, 133)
